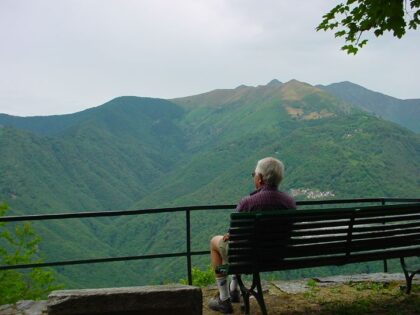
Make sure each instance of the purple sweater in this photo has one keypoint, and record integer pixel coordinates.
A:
(266, 198)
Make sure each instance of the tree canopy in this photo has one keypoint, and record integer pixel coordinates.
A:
(18, 245)
(352, 18)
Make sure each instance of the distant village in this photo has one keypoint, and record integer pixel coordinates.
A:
(311, 193)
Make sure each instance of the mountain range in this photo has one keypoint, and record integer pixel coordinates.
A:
(337, 141)
(403, 112)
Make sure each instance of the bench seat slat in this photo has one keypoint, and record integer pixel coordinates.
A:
(242, 229)
(382, 227)
(298, 217)
(381, 234)
(301, 251)
(385, 220)
(317, 239)
(320, 235)
(241, 222)
(338, 230)
(325, 226)
(237, 240)
(384, 211)
(305, 225)
(320, 225)
(300, 242)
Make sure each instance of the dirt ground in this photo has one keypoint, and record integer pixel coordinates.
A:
(350, 298)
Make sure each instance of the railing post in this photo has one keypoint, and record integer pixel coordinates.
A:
(188, 227)
(385, 261)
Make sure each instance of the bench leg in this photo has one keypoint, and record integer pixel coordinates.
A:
(244, 293)
(260, 297)
(408, 277)
(258, 293)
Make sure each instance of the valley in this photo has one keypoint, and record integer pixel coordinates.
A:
(141, 153)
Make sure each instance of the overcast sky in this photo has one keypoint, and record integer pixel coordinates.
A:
(63, 56)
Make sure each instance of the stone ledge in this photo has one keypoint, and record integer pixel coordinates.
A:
(147, 300)
(25, 307)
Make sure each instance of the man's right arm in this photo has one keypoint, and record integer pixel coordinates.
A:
(242, 205)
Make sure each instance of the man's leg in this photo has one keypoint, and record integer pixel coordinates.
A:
(222, 302)
(217, 260)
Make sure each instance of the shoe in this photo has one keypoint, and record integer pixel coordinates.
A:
(235, 296)
(224, 307)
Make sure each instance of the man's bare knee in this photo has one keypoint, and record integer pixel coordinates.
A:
(214, 243)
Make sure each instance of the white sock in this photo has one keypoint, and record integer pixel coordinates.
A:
(234, 283)
(223, 287)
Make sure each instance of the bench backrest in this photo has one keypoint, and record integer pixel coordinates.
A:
(291, 239)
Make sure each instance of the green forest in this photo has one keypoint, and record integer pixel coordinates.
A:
(143, 153)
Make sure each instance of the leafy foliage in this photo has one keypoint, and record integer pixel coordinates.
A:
(19, 246)
(201, 278)
(351, 18)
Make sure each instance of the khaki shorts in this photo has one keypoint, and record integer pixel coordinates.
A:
(223, 250)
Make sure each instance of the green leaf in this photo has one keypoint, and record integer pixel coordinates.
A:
(362, 43)
(376, 16)
(340, 33)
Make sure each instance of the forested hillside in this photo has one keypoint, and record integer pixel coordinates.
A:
(135, 153)
(403, 112)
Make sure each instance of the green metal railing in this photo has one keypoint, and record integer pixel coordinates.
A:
(188, 253)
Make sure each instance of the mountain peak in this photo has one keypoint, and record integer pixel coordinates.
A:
(296, 89)
(296, 82)
(241, 87)
(274, 83)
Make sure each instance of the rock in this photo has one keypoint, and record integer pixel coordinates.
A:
(146, 300)
(292, 287)
(7, 309)
(364, 277)
(32, 307)
(300, 286)
(25, 307)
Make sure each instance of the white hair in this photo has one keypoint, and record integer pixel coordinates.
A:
(271, 170)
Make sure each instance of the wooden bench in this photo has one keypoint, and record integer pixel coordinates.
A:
(292, 239)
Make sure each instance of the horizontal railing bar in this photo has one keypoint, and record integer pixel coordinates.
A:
(360, 200)
(401, 199)
(100, 260)
(39, 217)
(153, 211)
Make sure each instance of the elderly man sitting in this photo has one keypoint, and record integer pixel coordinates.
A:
(267, 176)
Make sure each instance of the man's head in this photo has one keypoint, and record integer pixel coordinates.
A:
(269, 171)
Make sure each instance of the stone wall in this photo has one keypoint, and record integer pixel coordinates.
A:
(148, 300)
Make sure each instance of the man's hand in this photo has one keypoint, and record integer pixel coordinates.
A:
(226, 237)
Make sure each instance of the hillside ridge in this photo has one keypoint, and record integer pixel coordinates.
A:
(142, 153)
